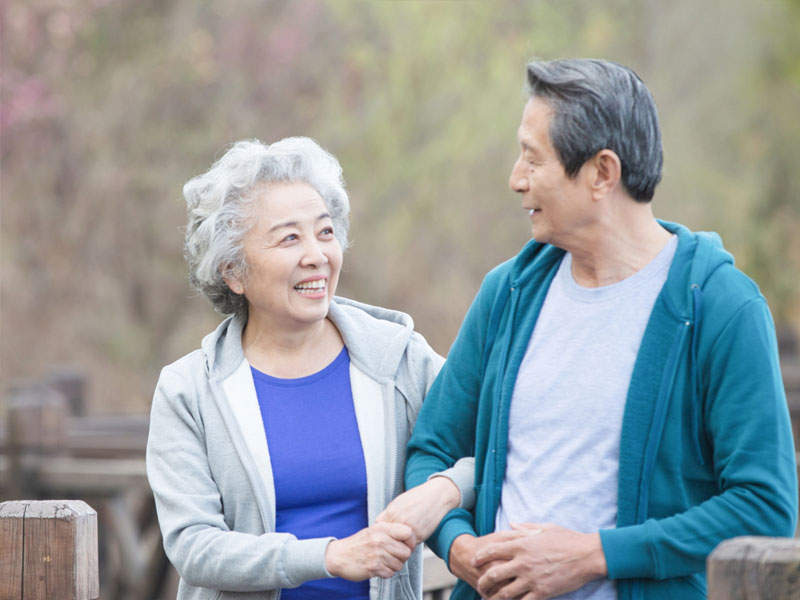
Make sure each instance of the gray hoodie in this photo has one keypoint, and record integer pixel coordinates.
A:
(208, 458)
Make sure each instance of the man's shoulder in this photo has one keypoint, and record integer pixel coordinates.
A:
(531, 258)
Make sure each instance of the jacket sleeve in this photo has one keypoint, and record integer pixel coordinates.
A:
(747, 425)
(445, 429)
(421, 365)
(197, 539)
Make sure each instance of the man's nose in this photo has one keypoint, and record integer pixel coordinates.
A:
(517, 181)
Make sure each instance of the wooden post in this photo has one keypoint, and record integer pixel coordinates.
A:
(71, 382)
(754, 568)
(48, 549)
(36, 427)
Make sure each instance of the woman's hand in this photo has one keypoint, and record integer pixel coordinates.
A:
(379, 550)
(423, 507)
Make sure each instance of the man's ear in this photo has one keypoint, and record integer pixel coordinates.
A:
(606, 172)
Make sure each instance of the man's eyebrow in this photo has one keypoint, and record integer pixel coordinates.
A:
(286, 224)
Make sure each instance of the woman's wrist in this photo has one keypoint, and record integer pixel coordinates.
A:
(331, 559)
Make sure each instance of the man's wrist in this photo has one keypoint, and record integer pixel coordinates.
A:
(460, 553)
(597, 557)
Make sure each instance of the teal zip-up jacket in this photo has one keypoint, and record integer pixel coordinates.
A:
(706, 450)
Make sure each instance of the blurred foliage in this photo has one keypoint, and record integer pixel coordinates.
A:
(108, 106)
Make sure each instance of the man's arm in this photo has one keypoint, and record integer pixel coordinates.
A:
(445, 430)
(753, 456)
(747, 422)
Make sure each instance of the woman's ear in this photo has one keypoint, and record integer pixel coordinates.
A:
(606, 173)
(234, 283)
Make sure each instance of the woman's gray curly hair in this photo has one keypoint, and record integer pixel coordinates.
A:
(219, 205)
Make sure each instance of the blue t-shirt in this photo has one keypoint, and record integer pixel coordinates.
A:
(317, 464)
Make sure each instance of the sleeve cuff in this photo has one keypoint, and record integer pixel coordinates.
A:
(628, 552)
(304, 560)
(462, 474)
(455, 523)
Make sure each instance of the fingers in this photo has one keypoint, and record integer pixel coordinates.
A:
(503, 547)
(532, 528)
(499, 580)
(397, 549)
(411, 540)
(377, 551)
(388, 567)
(397, 531)
(513, 588)
(393, 543)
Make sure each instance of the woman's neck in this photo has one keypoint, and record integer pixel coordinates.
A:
(291, 353)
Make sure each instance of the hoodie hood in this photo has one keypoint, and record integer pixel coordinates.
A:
(376, 339)
(683, 293)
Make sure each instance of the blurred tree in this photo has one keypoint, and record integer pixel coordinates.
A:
(107, 108)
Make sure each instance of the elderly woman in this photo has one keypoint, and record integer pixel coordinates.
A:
(276, 446)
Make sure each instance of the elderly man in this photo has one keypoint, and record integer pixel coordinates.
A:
(617, 381)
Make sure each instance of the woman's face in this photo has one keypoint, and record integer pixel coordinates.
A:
(292, 255)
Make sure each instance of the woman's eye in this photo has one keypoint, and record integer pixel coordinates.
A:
(290, 238)
(327, 231)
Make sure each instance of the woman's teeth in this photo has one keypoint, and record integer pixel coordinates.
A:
(311, 286)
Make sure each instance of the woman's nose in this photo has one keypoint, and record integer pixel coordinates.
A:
(313, 253)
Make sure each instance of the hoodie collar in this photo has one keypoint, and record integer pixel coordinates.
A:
(702, 250)
(376, 339)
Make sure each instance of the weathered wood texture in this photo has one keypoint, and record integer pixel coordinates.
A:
(11, 517)
(48, 550)
(755, 568)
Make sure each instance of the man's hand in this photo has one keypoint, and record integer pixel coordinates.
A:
(462, 553)
(538, 562)
(422, 507)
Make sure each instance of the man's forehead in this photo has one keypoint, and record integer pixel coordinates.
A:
(535, 123)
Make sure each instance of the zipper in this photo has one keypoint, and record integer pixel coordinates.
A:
(654, 438)
(490, 508)
(384, 587)
(269, 524)
(659, 418)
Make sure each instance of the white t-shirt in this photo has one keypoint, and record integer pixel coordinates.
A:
(566, 409)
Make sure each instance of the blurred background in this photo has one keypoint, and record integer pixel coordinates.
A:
(108, 106)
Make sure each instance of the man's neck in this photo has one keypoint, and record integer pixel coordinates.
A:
(619, 246)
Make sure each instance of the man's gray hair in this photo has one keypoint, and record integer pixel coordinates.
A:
(600, 105)
(220, 205)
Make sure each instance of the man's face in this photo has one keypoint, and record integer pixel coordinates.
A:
(559, 207)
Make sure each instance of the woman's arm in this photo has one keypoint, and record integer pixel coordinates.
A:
(199, 542)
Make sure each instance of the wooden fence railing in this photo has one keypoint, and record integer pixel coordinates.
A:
(754, 568)
(49, 448)
(48, 551)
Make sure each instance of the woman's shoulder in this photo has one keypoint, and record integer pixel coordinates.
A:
(378, 339)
